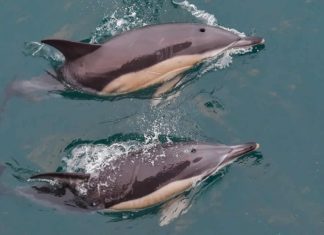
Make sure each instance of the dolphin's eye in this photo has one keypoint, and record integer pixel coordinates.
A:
(193, 150)
(202, 30)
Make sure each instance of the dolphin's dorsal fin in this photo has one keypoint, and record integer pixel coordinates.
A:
(71, 50)
(67, 179)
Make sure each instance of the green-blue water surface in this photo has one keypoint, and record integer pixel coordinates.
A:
(273, 96)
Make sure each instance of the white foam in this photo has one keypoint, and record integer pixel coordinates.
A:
(205, 17)
(202, 15)
(222, 61)
(122, 19)
(91, 158)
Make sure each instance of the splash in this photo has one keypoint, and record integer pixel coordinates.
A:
(91, 158)
(223, 61)
(121, 20)
(133, 14)
(202, 15)
(157, 128)
(161, 125)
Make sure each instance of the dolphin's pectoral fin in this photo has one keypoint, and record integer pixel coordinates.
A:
(167, 86)
(173, 209)
(71, 50)
(164, 88)
(65, 179)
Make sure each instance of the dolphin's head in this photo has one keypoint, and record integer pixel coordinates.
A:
(207, 159)
(210, 39)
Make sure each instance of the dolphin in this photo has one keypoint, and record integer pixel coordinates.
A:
(140, 179)
(131, 61)
(142, 57)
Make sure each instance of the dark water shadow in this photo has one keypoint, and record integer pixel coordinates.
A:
(75, 94)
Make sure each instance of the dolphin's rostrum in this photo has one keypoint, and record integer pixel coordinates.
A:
(140, 179)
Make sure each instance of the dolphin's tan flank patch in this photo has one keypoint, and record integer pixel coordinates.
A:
(158, 73)
(160, 195)
(155, 74)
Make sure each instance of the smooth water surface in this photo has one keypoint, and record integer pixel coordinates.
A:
(273, 96)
